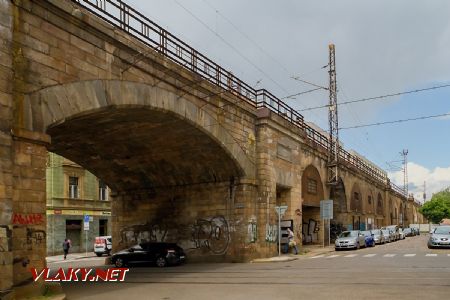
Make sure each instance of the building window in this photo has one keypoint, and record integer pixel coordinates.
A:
(312, 186)
(370, 200)
(73, 187)
(102, 190)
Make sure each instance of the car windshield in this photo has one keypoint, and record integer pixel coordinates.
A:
(386, 231)
(366, 233)
(442, 230)
(348, 234)
(376, 232)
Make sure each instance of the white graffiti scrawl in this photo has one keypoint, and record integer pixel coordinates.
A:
(271, 233)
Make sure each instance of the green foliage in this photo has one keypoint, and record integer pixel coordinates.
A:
(438, 207)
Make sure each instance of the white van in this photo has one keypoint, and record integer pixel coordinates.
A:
(103, 245)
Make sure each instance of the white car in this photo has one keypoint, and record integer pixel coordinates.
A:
(103, 245)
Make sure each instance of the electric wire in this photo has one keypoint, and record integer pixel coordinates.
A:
(380, 97)
(231, 46)
(395, 121)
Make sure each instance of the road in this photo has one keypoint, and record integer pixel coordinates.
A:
(405, 269)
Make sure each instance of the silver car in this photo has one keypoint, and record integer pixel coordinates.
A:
(440, 237)
(353, 239)
(388, 235)
(378, 236)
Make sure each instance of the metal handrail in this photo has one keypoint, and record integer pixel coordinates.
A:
(120, 14)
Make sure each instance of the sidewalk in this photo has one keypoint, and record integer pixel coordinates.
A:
(304, 251)
(70, 257)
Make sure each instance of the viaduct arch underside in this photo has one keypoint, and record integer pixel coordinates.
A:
(136, 136)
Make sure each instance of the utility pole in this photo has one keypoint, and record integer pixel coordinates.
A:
(404, 153)
(333, 149)
(424, 191)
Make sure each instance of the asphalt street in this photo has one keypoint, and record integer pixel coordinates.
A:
(405, 269)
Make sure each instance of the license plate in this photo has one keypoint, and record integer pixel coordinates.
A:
(181, 257)
(445, 243)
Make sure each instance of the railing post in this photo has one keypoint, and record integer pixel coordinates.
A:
(163, 41)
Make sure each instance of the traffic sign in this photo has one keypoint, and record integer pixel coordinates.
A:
(86, 218)
(326, 209)
(281, 209)
(86, 225)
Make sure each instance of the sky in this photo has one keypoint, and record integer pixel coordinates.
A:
(382, 47)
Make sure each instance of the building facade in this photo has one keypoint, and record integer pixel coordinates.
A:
(72, 194)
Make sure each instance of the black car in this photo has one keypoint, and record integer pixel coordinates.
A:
(160, 254)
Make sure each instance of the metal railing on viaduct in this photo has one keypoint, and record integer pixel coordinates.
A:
(133, 22)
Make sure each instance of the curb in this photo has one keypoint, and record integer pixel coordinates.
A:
(274, 259)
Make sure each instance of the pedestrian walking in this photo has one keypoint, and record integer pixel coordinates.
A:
(66, 247)
(291, 242)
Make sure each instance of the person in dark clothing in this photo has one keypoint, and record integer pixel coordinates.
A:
(66, 247)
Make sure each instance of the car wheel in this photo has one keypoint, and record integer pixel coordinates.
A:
(373, 243)
(99, 254)
(120, 262)
(357, 246)
(430, 247)
(161, 262)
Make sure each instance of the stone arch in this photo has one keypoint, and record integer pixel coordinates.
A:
(312, 187)
(370, 201)
(356, 199)
(379, 205)
(337, 193)
(53, 109)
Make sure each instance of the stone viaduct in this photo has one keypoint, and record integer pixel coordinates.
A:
(193, 154)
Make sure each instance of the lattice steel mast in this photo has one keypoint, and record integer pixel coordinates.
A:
(333, 150)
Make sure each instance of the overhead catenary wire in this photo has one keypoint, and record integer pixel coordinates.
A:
(395, 121)
(380, 97)
(231, 46)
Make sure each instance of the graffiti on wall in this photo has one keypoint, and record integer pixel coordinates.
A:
(35, 238)
(252, 231)
(135, 234)
(211, 234)
(5, 238)
(271, 233)
(27, 219)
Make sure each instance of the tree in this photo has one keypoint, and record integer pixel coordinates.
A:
(438, 207)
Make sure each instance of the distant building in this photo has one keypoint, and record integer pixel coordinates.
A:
(72, 193)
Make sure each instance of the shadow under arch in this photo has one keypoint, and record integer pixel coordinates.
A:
(135, 135)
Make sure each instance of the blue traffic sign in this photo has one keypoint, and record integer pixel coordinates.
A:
(86, 218)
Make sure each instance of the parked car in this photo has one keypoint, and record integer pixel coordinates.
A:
(408, 232)
(103, 245)
(353, 239)
(378, 236)
(368, 237)
(401, 234)
(388, 235)
(395, 230)
(160, 254)
(440, 237)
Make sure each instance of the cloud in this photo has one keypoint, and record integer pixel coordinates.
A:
(436, 179)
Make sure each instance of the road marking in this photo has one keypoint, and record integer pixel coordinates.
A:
(389, 255)
(410, 255)
(370, 255)
(431, 254)
(332, 256)
(318, 256)
(351, 255)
